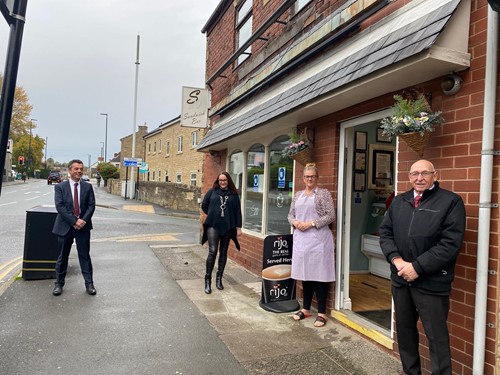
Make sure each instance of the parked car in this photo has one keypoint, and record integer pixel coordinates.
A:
(54, 176)
(85, 178)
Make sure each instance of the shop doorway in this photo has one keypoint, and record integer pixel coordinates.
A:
(366, 183)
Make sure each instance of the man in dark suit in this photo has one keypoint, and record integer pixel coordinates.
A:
(75, 204)
(421, 236)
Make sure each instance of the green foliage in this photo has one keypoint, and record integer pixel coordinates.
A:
(107, 171)
(20, 122)
(410, 116)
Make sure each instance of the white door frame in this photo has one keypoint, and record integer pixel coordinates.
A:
(346, 152)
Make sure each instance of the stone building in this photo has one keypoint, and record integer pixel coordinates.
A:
(331, 69)
(126, 148)
(171, 154)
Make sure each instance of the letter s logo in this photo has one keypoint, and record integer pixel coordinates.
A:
(193, 95)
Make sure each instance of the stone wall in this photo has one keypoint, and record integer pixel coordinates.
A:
(166, 194)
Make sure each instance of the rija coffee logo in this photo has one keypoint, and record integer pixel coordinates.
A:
(277, 269)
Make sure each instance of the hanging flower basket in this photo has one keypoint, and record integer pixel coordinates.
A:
(303, 157)
(299, 148)
(412, 121)
(416, 141)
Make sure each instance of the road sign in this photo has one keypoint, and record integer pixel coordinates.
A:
(131, 162)
(144, 168)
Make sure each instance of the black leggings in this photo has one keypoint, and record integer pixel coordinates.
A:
(216, 242)
(321, 290)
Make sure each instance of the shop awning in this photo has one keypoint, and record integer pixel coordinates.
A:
(423, 40)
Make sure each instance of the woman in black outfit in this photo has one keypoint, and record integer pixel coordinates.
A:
(222, 206)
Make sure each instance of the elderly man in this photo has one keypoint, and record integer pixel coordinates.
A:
(421, 236)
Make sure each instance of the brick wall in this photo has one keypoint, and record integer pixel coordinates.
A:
(455, 150)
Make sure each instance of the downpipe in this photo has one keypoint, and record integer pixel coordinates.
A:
(485, 204)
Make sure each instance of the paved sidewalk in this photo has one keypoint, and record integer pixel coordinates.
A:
(151, 316)
(265, 342)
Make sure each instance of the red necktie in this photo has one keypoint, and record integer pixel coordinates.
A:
(417, 200)
(76, 206)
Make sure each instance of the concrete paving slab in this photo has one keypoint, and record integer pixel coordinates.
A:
(140, 322)
(270, 343)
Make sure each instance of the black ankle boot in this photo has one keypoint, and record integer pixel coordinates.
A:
(208, 285)
(218, 282)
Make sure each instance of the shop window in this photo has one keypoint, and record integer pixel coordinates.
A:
(236, 165)
(254, 188)
(280, 186)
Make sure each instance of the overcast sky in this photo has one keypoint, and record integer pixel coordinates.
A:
(78, 60)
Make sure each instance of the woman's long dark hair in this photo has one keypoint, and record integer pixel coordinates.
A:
(230, 183)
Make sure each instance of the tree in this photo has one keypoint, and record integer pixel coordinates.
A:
(20, 123)
(107, 171)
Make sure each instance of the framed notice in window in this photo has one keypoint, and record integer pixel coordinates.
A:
(381, 167)
(360, 140)
(381, 137)
(359, 181)
(360, 161)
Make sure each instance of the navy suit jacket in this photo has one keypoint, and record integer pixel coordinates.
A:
(64, 205)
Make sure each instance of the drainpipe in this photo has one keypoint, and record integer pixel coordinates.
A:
(485, 205)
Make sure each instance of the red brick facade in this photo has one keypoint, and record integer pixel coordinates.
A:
(455, 147)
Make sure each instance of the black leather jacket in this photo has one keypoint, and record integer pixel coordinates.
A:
(430, 237)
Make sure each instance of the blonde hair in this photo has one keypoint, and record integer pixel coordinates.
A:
(311, 166)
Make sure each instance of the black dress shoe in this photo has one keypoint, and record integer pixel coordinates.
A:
(58, 289)
(91, 290)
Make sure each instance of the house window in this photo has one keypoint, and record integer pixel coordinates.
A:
(154, 147)
(166, 176)
(299, 4)
(179, 143)
(192, 179)
(159, 145)
(244, 28)
(167, 148)
(194, 138)
(178, 178)
(159, 175)
(254, 188)
(149, 147)
(153, 177)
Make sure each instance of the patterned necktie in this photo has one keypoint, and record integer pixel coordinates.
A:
(76, 205)
(417, 200)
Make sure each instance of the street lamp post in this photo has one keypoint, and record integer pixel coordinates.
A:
(46, 143)
(102, 150)
(105, 138)
(30, 162)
